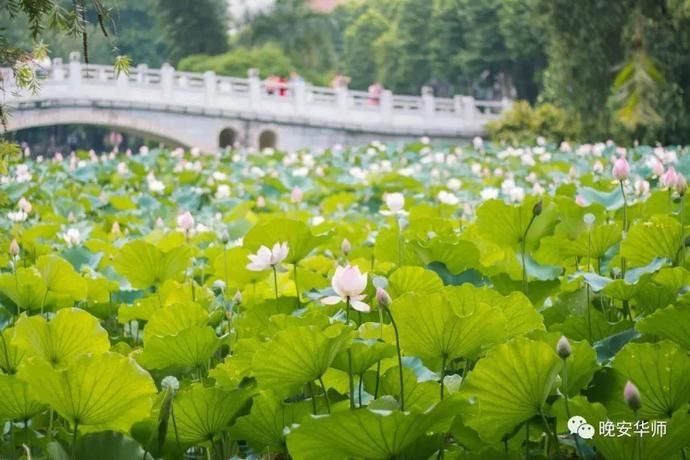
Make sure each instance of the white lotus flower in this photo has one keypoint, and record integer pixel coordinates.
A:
(25, 205)
(185, 221)
(17, 216)
(267, 259)
(72, 237)
(349, 284)
(395, 203)
(489, 193)
(447, 198)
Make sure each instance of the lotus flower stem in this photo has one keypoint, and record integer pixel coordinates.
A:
(359, 389)
(378, 364)
(523, 251)
(225, 264)
(681, 212)
(567, 406)
(527, 440)
(294, 270)
(313, 398)
(51, 415)
(589, 268)
(443, 373)
(275, 280)
(325, 394)
(74, 439)
(174, 422)
(400, 366)
(625, 224)
(349, 360)
(550, 433)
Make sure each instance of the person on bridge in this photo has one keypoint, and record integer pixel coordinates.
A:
(375, 91)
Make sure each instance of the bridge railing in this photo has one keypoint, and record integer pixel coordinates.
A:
(253, 93)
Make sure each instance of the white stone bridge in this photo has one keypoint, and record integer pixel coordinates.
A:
(209, 111)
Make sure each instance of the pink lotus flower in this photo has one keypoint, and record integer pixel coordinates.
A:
(349, 284)
(621, 169)
(669, 178)
(185, 221)
(631, 396)
(14, 248)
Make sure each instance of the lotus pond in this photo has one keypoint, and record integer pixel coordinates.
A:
(380, 302)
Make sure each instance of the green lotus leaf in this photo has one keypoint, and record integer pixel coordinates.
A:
(362, 434)
(457, 256)
(190, 349)
(231, 267)
(298, 355)
(70, 334)
(592, 326)
(10, 355)
(264, 427)
(419, 396)
(661, 372)
(145, 265)
(106, 445)
(296, 233)
(510, 386)
(672, 278)
(203, 413)
(64, 285)
(15, 403)
(414, 279)
(670, 323)
(257, 319)
(505, 224)
(236, 366)
(648, 240)
(25, 291)
(142, 309)
(365, 353)
(98, 391)
(174, 319)
(431, 329)
(612, 200)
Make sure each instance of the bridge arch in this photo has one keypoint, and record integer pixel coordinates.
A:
(268, 139)
(227, 138)
(164, 129)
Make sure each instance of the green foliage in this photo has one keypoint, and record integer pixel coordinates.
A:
(522, 123)
(269, 59)
(359, 40)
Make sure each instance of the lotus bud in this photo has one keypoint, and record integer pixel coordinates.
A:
(536, 210)
(669, 178)
(563, 348)
(621, 169)
(296, 195)
(185, 221)
(24, 205)
(345, 247)
(681, 185)
(237, 298)
(589, 219)
(115, 229)
(382, 298)
(224, 236)
(261, 202)
(14, 249)
(70, 217)
(170, 383)
(631, 395)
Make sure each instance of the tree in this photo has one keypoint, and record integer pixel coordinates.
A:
(269, 59)
(194, 27)
(410, 45)
(360, 38)
(446, 42)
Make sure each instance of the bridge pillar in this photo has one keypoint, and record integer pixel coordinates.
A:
(58, 69)
(428, 102)
(167, 80)
(210, 85)
(254, 87)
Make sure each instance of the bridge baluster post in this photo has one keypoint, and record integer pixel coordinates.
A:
(142, 72)
(428, 101)
(210, 83)
(469, 106)
(457, 106)
(122, 80)
(254, 87)
(58, 69)
(167, 80)
(299, 87)
(74, 69)
(387, 104)
(342, 96)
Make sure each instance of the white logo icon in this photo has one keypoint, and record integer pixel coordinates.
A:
(579, 426)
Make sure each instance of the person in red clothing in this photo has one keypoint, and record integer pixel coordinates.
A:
(375, 91)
